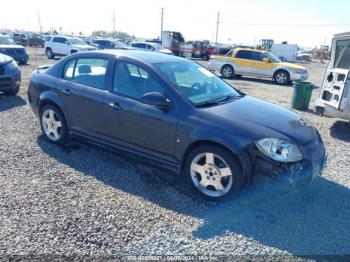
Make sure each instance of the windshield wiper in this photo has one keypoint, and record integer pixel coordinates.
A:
(217, 101)
(207, 103)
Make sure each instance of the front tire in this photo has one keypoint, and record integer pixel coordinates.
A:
(213, 172)
(282, 77)
(53, 125)
(227, 72)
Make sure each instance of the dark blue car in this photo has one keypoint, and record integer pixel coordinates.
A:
(176, 114)
(10, 75)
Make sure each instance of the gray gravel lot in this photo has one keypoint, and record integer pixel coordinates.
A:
(81, 200)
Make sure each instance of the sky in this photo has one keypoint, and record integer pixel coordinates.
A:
(306, 23)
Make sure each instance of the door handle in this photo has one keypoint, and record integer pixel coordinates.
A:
(67, 92)
(115, 106)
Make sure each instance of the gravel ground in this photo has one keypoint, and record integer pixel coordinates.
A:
(81, 200)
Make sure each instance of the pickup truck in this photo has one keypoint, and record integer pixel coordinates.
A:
(261, 64)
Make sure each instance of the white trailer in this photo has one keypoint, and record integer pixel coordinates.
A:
(334, 100)
(286, 52)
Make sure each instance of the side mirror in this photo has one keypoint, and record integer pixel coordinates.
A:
(156, 99)
(67, 43)
(266, 60)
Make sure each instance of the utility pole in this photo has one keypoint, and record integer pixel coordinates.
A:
(217, 28)
(114, 24)
(161, 26)
(40, 28)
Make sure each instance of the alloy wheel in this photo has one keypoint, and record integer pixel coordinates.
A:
(227, 72)
(52, 125)
(211, 174)
(281, 78)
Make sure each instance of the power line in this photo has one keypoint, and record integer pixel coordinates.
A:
(286, 25)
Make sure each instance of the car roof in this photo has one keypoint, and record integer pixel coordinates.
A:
(143, 56)
(247, 49)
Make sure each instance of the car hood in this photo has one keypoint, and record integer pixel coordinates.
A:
(291, 66)
(165, 51)
(85, 47)
(4, 59)
(260, 119)
(11, 46)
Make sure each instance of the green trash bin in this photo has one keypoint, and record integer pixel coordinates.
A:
(302, 95)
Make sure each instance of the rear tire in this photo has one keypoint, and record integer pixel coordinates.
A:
(213, 172)
(53, 125)
(227, 72)
(49, 53)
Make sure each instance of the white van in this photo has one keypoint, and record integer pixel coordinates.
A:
(285, 52)
(334, 100)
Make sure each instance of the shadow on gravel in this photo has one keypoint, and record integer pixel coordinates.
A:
(9, 102)
(315, 221)
(310, 222)
(341, 130)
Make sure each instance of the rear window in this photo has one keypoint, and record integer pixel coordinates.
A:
(87, 71)
(342, 54)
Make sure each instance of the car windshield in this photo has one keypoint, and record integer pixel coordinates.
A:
(76, 41)
(272, 57)
(197, 84)
(6, 41)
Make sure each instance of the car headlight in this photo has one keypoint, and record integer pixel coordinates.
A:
(300, 71)
(13, 64)
(279, 150)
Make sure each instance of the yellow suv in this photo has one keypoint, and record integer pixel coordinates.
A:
(252, 62)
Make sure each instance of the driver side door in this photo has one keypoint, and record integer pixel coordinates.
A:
(133, 124)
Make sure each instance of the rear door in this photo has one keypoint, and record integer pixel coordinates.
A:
(242, 60)
(83, 87)
(336, 85)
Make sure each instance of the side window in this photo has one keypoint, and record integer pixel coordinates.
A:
(257, 56)
(243, 54)
(68, 72)
(87, 71)
(56, 39)
(133, 81)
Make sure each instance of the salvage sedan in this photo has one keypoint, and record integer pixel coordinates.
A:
(176, 114)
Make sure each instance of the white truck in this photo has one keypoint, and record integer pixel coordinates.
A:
(334, 99)
(64, 45)
(285, 52)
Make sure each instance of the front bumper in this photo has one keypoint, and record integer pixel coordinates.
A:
(299, 76)
(290, 176)
(10, 81)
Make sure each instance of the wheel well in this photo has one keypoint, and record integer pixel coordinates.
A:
(205, 143)
(48, 48)
(46, 102)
